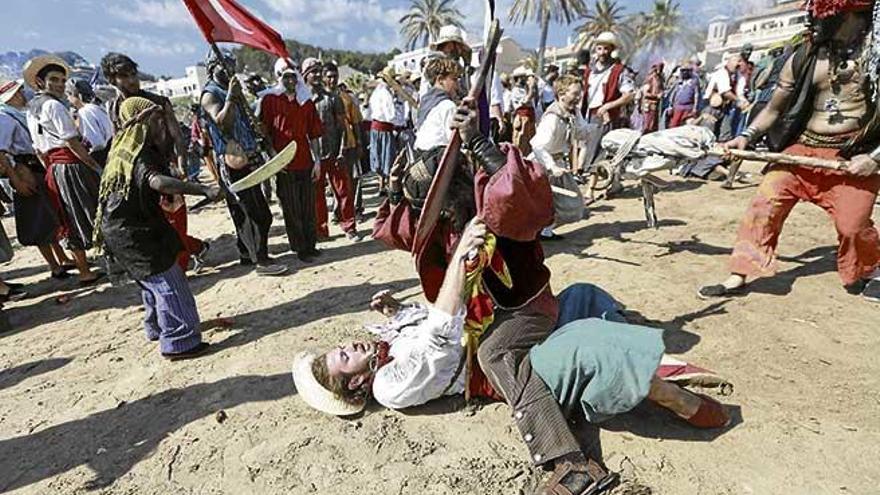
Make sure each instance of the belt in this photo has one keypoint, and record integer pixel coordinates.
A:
(834, 141)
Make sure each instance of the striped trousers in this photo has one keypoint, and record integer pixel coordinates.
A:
(296, 193)
(171, 314)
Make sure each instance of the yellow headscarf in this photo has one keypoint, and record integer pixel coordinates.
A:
(134, 112)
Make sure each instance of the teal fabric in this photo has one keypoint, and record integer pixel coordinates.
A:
(604, 366)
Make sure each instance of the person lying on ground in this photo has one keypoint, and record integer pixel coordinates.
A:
(606, 367)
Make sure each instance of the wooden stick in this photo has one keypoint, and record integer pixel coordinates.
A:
(781, 158)
(398, 89)
(468, 370)
(563, 192)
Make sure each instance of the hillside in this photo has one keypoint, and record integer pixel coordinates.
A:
(251, 60)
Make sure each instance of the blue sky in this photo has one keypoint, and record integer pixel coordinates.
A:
(160, 35)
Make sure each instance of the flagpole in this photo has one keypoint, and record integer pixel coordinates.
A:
(243, 106)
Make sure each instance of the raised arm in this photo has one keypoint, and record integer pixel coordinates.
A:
(222, 112)
(450, 299)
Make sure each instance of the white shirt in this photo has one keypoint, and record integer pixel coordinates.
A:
(382, 107)
(518, 98)
(436, 129)
(426, 357)
(547, 95)
(52, 127)
(95, 126)
(507, 99)
(719, 81)
(598, 79)
(555, 134)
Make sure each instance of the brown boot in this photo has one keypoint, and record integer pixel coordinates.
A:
(579, 478)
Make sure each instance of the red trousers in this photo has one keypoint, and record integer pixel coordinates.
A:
(679, 116)
(177, 219)
(341, 183)
(848, 199)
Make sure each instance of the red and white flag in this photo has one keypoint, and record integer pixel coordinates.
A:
(227, 21)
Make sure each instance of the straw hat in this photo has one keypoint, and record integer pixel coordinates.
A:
(36, 64)
(522, 71)
(8, 90)
(314, 394)
(606, 38)
(450, 34)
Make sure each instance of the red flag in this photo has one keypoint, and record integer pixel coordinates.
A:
(226, 20)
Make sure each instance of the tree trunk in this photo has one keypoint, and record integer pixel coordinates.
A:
(542, 46)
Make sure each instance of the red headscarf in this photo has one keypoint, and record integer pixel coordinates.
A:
(823, 9)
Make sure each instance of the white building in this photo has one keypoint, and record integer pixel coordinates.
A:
(510, 55)
(190, 85)
(773, 26)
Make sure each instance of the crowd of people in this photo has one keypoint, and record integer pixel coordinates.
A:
(112, 175)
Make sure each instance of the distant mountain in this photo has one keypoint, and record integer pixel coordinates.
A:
(11, 63)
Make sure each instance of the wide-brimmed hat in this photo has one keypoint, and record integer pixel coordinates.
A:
(522, 71)
(8, 90)
(33, 67)
(450, 34)
(314, 394)
(606, 38)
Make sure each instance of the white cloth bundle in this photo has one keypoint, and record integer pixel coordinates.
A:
(661, 150)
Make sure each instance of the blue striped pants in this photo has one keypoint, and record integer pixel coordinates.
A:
(171, 314)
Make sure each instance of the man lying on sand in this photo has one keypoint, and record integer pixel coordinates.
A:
(607, 367)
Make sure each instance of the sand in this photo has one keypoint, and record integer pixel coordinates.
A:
(88, 405)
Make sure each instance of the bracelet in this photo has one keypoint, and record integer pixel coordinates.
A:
(750, 133)
(875, 155)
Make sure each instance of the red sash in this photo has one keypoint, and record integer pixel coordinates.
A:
(381, 126)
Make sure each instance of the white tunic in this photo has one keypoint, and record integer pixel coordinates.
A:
(52, 127)
(436, 130)
(382, 108)
(95, 126)
(555, 134)
(426, 357)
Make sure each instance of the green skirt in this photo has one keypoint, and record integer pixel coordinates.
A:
(604, 366)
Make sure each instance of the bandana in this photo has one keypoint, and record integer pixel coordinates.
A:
(303, 93)
(823, 9)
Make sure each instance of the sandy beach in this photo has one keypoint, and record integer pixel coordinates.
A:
(87, 405)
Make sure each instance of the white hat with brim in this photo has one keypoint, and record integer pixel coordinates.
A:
(522, 72)
(8, 90)
(450, 34)
(36, 64)
(314, 394)
(606, 38)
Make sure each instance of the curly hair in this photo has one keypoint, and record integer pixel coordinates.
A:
(562, 84)
(114, 63)
(441, 67)
(338, 384)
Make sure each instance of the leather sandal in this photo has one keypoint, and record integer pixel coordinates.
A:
(580, 479)
(711, 414)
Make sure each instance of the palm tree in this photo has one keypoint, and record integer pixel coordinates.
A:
(607, 15)
(425, 18)
(658, 28)
(543, 11)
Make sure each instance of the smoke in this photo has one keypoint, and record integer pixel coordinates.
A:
(672, 54)
(689, 40)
